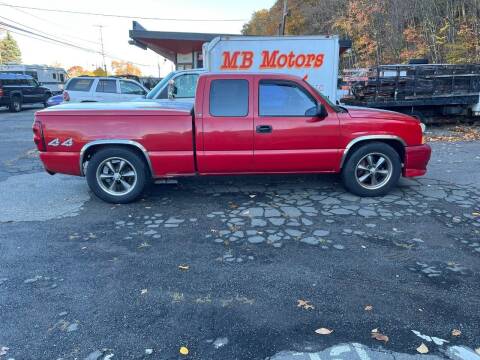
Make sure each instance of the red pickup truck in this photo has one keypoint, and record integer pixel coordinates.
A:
(239, 124)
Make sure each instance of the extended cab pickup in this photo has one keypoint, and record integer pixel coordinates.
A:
(239, 124)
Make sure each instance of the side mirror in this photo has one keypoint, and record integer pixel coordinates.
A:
(172, 89)
(322, 112)
(318, 112)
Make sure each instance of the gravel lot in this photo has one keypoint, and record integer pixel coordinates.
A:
(238, 267)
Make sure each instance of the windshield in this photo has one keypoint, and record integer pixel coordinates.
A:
(335, 107)
(156, 90)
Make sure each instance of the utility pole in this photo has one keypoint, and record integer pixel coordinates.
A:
(100, 28)
(281, 30)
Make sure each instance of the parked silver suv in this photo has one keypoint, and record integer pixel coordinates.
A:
(102, 89)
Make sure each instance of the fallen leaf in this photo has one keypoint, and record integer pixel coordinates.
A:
(323, 331)
(379, 336)
(374, 330)
(252, 195)
(183, 267)
(143, 291)
(456, 332)
(422, 349)
(184, 350)
(368, 308)
(305, 304)
(477, 350)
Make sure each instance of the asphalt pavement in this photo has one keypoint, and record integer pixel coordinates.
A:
(260, 267)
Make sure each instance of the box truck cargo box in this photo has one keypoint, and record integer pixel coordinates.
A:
(313, 58)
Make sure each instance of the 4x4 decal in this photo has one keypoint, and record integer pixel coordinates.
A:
(56, 142)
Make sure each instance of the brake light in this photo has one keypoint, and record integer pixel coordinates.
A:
(66, 96)
(1, 92)
(38, 138)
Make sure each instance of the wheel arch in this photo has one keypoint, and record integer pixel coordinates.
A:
(90, 148)
(396, 142)
(14, 94)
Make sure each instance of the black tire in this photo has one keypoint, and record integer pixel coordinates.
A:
(353, 170)
(97, 166)
(15, 104)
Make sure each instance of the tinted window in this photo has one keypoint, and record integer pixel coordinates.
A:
(128, 87)
(186, 85)
(107, 86)
(79, 84)
(31, 82)
(283, 99)
(32, 74)
(229, 98)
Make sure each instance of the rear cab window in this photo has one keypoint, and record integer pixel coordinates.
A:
(79, 84)
(229, 98)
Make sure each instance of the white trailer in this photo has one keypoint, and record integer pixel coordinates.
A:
(53, 78)
(313, 58)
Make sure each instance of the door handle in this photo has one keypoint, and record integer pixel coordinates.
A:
(264, 129)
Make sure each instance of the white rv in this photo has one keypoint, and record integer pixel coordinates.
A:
(50, 77)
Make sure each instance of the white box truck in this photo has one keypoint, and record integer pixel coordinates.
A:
(313, 58)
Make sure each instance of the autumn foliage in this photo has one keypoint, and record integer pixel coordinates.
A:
(384, 31)
(125, 68)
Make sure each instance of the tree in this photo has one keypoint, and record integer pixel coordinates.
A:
(77, 70)
(383, 31)
(125, 68)
(99, 71)
(9, 50)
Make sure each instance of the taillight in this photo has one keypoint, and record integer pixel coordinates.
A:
(66, 96)
(1, 92)
(38, 138)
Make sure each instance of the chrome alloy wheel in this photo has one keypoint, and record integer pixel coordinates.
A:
(373, 171)
(116, 176)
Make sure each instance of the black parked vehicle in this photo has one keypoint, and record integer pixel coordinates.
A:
(17, 89)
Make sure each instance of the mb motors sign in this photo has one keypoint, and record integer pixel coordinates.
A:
(243, 60)
(313, 58)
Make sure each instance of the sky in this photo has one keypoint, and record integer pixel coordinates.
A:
(84, 31)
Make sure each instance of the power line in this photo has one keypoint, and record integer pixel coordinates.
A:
(38, 31)
(56, 24)
(117, 15)
(49, 39)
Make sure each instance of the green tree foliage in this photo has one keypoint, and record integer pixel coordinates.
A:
(9, 50)
(383, 31)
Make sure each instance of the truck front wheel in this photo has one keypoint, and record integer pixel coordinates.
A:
(372, 170)
(117, 175)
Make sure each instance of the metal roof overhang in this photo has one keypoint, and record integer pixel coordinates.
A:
(168, 44)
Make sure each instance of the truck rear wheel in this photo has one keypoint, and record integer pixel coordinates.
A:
(372, 170)
(117, 175)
